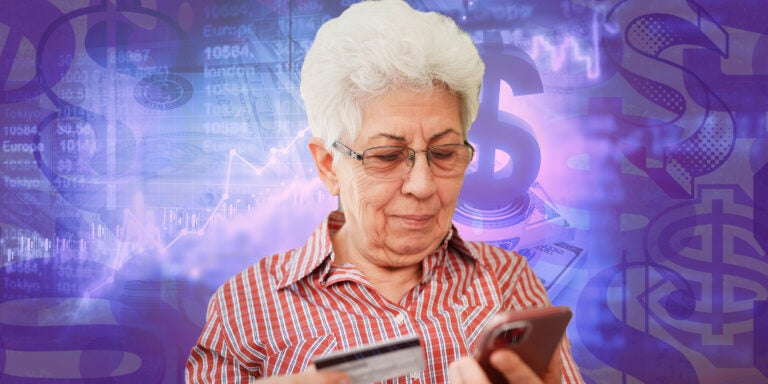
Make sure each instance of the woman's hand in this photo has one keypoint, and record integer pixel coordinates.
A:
(468, 371)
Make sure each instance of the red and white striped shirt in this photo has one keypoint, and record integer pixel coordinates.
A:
(279, 314)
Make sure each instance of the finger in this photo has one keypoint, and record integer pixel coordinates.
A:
(466, 371)
(326, 377)
(513, 368)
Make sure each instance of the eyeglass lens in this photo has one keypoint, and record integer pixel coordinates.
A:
(395, 161)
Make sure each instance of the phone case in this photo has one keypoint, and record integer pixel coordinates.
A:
(534, 334)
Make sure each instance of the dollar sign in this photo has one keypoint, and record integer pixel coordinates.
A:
(645, 70)
(88, 147)
(725, 264)
(508, 156)
(617, 344)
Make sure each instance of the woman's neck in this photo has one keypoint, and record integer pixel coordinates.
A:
(391, 282)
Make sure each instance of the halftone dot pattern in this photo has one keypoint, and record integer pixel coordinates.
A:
(702, 153)
(660, 94)
(707, 149)
(679, 172)
(651, 35)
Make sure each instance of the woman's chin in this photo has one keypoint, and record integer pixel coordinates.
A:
(412, 252)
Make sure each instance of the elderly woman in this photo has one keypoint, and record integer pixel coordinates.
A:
(390, 93)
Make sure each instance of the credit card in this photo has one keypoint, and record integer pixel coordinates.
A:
(378, 361)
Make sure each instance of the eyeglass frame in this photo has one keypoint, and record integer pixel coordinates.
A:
(427, 152)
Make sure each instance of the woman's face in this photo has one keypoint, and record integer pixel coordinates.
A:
(397, 222)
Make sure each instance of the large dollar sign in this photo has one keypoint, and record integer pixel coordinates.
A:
(508, 156)
(87, 145)
(709, 239)
(674, 166)
(613, 341)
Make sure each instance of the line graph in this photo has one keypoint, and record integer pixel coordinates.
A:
(565, 52)
(141, 233)
(257, 170)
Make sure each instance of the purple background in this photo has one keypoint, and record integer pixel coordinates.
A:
(151, 149)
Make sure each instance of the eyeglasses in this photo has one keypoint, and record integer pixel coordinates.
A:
(392, 161)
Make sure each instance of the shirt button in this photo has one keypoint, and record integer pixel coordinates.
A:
(399, 319)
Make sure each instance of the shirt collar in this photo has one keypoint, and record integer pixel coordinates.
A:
(304, 260)
(317, 253)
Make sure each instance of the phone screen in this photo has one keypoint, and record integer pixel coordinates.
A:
(510, 334)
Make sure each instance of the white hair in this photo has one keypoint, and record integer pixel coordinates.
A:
(375, 47)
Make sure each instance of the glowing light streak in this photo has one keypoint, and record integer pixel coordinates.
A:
(134, 227)
(273, 159)
(566, 52)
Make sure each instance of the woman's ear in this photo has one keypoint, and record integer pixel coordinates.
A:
(324, 162)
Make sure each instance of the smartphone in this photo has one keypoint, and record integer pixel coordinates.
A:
(534, 334)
